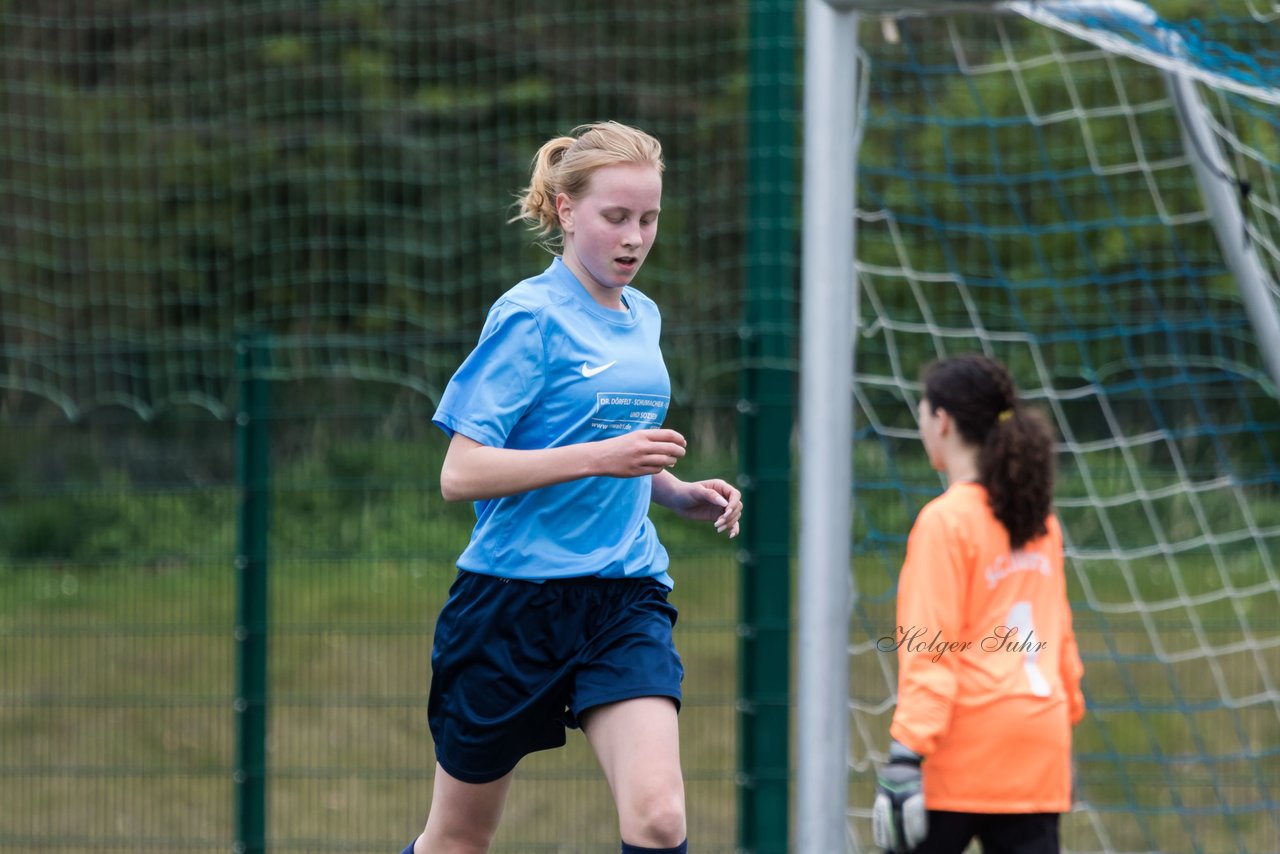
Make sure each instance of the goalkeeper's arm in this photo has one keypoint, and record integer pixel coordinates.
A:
(899, 822)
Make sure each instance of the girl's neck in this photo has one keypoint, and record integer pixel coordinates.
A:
(962, 468)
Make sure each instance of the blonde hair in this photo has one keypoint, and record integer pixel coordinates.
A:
(565, 164)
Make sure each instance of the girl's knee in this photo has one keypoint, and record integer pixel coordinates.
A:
(659, 821)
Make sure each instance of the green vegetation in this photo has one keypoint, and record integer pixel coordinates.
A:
(340, 178)
(118, 673)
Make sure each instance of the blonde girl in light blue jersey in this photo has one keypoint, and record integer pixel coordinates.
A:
(559, 615)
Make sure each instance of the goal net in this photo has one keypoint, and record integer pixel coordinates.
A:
(1039, 185)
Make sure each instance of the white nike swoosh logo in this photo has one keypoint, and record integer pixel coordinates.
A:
(591, 372)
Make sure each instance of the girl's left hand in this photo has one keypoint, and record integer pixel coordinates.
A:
(711, 501)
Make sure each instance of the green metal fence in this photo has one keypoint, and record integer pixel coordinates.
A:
(242, 247)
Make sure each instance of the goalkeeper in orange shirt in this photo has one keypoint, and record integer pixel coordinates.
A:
(988, 671)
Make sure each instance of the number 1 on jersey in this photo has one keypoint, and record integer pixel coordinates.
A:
(1020, 618)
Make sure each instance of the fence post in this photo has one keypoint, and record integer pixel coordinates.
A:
(250, 704)
(767, 409)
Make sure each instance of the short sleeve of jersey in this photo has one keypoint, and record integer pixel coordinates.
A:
(501, 378)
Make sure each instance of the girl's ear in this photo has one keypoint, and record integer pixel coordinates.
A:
(564, 210)
(944, 421)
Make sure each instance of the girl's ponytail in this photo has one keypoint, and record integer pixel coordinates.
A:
(537, 203)
(1016, 466)
(1015, 444)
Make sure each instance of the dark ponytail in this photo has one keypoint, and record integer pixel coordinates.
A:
(1015, 444)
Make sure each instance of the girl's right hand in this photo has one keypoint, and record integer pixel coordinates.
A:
(642, 452)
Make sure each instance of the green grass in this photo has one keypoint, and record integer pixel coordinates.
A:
(116, 724)
(117, 665)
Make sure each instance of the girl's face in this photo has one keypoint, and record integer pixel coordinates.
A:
(609, 230)
(931, 432)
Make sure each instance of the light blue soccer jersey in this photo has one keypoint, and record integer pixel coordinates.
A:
(553, 367)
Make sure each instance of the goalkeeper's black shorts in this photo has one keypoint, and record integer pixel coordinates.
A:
(999, 833)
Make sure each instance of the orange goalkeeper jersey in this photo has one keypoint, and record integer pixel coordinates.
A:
(988, 671)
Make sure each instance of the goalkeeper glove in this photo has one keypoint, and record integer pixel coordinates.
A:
(899, 822)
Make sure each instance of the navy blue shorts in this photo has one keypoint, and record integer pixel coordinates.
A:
(516, 662)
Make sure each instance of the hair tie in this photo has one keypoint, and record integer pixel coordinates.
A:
(1005, 415)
